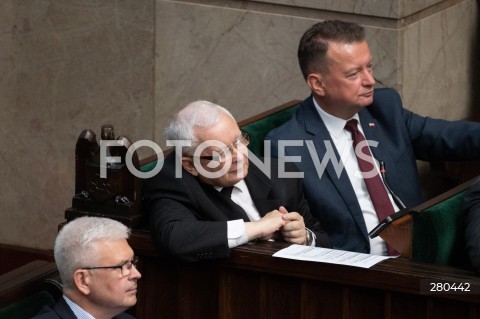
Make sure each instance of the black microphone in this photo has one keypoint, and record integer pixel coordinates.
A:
(402, 212)
(396, 199)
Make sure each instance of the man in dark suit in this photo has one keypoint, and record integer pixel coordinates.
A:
(97, 269)
(192, 218)
(472, 224)
(337, 65)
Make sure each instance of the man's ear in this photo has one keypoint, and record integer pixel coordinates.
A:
(82, 280)
(187, 164)
(316, 83)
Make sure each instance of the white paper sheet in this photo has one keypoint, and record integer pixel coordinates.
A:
(331, 256)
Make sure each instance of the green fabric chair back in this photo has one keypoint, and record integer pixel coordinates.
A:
(259, 129)
(438, 234)
(148, 167)
(27, 307)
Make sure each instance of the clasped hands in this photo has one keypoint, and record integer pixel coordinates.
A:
(289, 225)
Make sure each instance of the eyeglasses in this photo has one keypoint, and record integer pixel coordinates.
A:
(125, 268)
(223, 155)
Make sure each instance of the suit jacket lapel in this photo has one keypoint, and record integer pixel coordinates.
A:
(63, 310)
(315, 126)
(375, 132)
(259, 186)
(226, 206)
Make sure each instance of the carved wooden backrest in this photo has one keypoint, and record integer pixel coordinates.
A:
(114, 192)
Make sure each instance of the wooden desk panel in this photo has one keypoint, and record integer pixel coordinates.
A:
(253, 284)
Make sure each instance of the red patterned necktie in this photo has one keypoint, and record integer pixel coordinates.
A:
(376, 189)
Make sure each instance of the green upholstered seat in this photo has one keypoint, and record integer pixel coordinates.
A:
(27, 307)
(148, 166)
(260, 128)
(438, 234)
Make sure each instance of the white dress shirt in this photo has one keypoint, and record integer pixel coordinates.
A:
(77, 310)
(343, 143)
(236, 232)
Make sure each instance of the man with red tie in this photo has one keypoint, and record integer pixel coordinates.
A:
(347, 132)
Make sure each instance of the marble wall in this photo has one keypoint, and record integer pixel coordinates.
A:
(396, 9)
(242, 54)
(74, 64)
(65, 66)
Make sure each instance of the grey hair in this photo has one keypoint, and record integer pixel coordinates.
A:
(73, 245)
(198, 114)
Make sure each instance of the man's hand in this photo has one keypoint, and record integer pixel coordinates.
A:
(267, 227)
(294, 230)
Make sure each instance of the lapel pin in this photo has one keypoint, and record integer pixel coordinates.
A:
(371, 124)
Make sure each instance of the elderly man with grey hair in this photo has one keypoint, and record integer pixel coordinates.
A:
(209, 196)
(97, 269)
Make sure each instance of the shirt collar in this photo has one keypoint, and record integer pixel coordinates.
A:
(77, 310)
(335, 125)
(241, 186)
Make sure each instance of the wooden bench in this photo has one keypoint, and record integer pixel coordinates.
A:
(26, 289)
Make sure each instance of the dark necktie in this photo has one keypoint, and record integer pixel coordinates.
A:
(376, 189)
(227, 192)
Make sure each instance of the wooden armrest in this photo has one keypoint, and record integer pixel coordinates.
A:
(24, 281)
